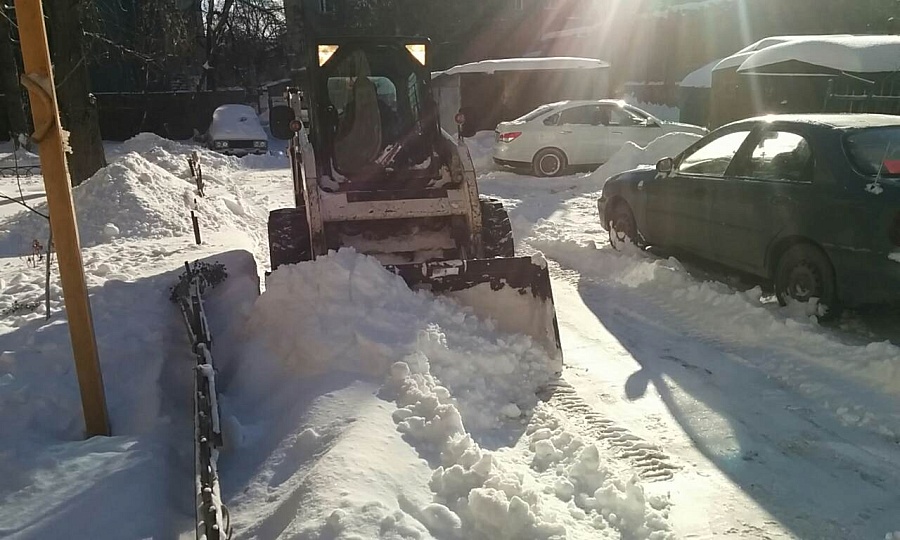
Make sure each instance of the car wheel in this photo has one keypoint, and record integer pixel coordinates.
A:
(622, 226)
(549, 162)
(804, 273)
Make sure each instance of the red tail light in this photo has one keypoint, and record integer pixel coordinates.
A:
(509, 137)
(894, 231)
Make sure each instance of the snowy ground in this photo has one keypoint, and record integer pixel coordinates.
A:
(354, 408)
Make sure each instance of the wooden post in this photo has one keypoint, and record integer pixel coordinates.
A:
(38, 78)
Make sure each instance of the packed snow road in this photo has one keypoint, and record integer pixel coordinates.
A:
(767, 424)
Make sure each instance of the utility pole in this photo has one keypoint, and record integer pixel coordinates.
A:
(38, 79)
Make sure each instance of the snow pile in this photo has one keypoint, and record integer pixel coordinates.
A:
(481, 148)
(148, 193)
(377, 320)
(481, 495)
(632, 156)
(454, 386)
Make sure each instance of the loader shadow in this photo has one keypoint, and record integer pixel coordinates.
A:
(776, 459)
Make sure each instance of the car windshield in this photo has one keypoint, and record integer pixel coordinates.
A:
(875, 151)
(534, 114)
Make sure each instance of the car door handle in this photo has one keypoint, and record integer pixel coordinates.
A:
(616, 132)
(566, 131)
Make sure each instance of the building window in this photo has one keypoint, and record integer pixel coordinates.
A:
(326, 6)
(518, 5)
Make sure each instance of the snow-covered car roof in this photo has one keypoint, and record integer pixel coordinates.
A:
(234, 122)
(854, 54)
(571, 102)
(525, 64)
(837, 120)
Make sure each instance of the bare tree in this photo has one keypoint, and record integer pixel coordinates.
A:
(9, 78)
(77, 107)
(217, 13)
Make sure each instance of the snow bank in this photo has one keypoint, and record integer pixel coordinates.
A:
(632, 156)
(145, 193)
(481, 148)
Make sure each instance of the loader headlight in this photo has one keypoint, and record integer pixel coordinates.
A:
(221, 144)
(418, 51)
(326, 52)
(260, 144)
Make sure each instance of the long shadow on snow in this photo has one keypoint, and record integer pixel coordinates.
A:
(151, 426)
(796, 464)
(860, 325)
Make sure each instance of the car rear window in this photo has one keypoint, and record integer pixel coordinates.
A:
(534, 114)
(875, 151)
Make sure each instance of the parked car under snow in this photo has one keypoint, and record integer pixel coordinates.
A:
(809, 202)
(553, 137)
(236, 130)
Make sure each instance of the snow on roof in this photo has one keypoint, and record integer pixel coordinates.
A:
(574, 31)
(700, 78)
(854, 54)
(738, 58)
(524, 64)
(694, 6)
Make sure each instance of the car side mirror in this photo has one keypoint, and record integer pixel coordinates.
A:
(280, 118)
(665, 166)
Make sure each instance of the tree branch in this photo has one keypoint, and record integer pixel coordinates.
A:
(23, 203)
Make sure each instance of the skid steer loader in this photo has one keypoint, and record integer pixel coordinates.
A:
(373, 170)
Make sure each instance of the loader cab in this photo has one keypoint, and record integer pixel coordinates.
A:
(374, 121)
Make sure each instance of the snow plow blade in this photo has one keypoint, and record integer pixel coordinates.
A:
(515, 292)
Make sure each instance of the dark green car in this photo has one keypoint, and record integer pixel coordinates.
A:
(809, 202)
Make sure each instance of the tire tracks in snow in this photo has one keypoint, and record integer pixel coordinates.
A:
(650, 461)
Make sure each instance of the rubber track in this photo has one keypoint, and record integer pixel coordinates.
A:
(650, 461)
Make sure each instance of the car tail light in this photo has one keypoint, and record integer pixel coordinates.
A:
(894, 231)
(509, 137)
